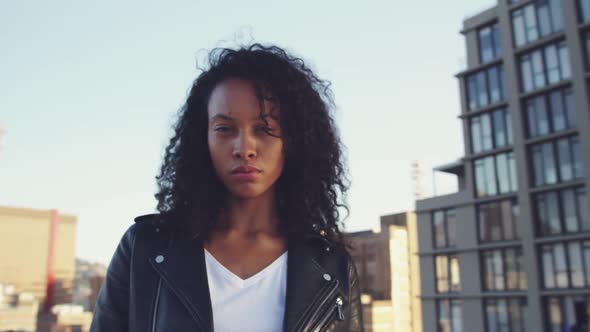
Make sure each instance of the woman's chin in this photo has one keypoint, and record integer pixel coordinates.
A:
(249, 191)
(245, 193)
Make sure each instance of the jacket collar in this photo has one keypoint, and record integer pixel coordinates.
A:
(182, 268)
(184, 271)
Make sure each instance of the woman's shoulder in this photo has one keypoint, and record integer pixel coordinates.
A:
(146, 230)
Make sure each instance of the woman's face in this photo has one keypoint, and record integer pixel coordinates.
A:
(246, 158)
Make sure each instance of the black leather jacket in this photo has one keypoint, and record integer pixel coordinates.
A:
(157, 281)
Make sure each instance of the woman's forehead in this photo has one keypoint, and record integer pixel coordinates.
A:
(236, 99)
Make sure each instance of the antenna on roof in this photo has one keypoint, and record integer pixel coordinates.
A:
(417, 179)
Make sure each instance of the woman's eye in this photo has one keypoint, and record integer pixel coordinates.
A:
(222, 129)
(265, 129)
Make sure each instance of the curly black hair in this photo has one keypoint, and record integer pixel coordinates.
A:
(313, 184)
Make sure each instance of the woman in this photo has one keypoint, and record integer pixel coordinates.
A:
(247, 235)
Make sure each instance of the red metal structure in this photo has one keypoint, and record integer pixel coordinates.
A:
(49, 298)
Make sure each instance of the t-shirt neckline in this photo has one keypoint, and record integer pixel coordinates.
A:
(243, 283)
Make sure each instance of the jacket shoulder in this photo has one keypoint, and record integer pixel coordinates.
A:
(334, 256)
(151, 218)
(329, 247)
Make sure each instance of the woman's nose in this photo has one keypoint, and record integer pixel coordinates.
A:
(245, 147)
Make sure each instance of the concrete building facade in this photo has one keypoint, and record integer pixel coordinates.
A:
(510, 251)
(388, 268)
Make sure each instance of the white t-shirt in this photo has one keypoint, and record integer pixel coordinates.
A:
(256, 304)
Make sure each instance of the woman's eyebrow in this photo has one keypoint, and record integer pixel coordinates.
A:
(229, 118)
(221, 117)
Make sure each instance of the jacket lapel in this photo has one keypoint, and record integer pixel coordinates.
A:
(182, 268)
(305, 279)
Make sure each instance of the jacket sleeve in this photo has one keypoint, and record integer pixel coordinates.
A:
(356, 310)
(111, 313)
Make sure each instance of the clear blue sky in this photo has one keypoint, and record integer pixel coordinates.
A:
(89, 90)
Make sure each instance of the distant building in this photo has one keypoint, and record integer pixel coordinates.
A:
(87, 282)
(370, 253)
(378, 315)
(18, 311)
(65, 318)
(37, 253)
(389, 274)
(510, 251)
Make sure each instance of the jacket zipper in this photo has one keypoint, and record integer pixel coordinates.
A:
(339, 304)
(156, 305)
(321, 315)
(325, 319)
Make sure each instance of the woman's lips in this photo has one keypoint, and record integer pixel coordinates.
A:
(245, 173)
(245, 176)
(245, 169)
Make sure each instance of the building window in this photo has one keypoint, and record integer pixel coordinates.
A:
(505, 314)
(565, 211)
(491, 130)
(490, 46)
(503, 270)
(444, 228)
(544, 66)
(587, 43)
(485, 87)
(498, 221)
(566, 265)
(567, 313)
(550, 113)
(546, 157)
(584, 10)
(450, 315)
(495, 175)
(447, 273)
(536, 20)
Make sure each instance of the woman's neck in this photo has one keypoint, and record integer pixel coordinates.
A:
(251, 217)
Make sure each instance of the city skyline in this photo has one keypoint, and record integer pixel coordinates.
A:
(89, 92)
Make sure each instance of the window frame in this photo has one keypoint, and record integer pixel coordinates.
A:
(500, 130)
(522, 17)
(450, 277)
(446, 232)
(560, 301)
(534, 68)
(584, 254)
(490, 285)
(521, 303)
(493, 188)
(478, 87)
(578, 193)
(495, 42)
(484, 225)
(546, 165)
(452, 305)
